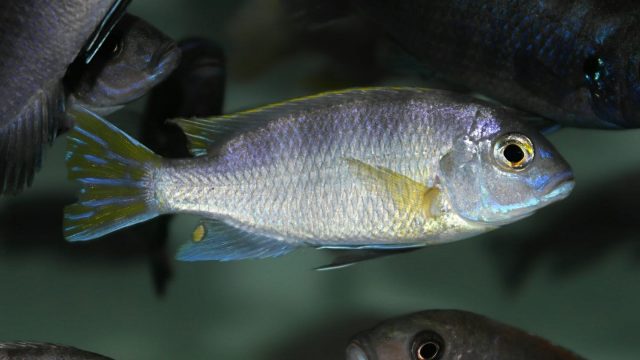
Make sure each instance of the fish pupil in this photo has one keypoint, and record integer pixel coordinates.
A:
(428, 351)
(513, 153)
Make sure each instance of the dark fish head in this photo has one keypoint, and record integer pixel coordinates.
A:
(449, 335)
(134, 58)
(413, 337)
(612, 75)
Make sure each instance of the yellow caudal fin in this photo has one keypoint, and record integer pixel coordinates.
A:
(410, 196)
(112, 169)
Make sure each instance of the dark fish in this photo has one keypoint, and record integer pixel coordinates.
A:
(195, 88)
(575, 62)
(38, 41)
(135, 57)
(450, 335)
(22, 350)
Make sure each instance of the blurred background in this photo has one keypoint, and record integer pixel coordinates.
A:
(569, 273)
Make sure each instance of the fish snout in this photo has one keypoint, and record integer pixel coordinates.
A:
(559, 187)
(355, 351)
(167, 60)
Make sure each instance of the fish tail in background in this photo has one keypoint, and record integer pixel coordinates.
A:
(113, 169)
(22, 141)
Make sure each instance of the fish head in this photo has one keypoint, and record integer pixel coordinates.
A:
(502, 171)
(426, 335)
(449, 335)
(612, 75)
(135, 57)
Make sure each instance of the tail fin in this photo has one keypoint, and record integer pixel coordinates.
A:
(113, 169)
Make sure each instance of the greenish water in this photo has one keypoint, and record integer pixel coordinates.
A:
(281, 309)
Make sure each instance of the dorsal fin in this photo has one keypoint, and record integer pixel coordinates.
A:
(22, 140)
(203, 133)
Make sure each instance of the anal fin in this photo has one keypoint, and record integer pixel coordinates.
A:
(344, 257)
(215, 240)
(23, 139)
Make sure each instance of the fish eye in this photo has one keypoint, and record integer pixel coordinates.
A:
(592, 67)
(513, 151)
(427, 345)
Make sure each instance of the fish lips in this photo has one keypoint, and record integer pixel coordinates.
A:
(356, 351)
(558, 187)
(168, 60)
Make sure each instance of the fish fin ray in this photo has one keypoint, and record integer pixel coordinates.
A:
(345, 257)
(22, 141)
(409, 195)
(112, 169)
(206, 133)
(216, 240)
(110, 20)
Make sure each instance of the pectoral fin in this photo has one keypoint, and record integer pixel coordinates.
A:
(410, 196)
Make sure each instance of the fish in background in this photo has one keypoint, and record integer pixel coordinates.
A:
(195, 88)
(23, 350)
(574, 62)
(39, 39)
(132, 57)
(362, 169)
(450, 335)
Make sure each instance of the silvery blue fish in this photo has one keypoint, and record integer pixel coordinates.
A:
(23, 350)
(39, 39)
(379, 168)
(450, 335)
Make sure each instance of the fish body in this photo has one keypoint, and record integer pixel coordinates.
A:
(575, 62)
(449, 335)
(379, 168)
(44, 351)
(39, 39)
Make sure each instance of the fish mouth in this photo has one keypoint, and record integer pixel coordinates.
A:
(355, 351)
(559, 187)
(168, 61)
